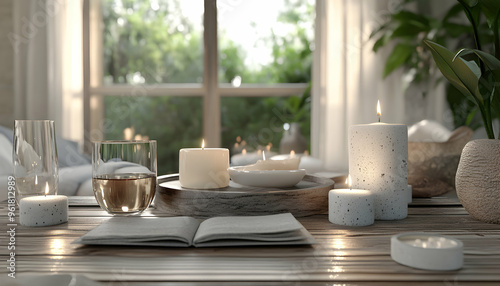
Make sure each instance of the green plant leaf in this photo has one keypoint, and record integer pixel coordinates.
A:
(486, 85)
(495, 106)
(377, 30)
(458, 72)
(490, 9)
(470, 3)
(454, 30)
(454, 11)
(382, 41)
(397, 58)
(471, 117)
(405, 16)
(409, 30)
(490, 76)
(473, 13)
(491, 62)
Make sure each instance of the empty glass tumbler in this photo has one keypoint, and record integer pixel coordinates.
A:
(35, 158)
(124, 175)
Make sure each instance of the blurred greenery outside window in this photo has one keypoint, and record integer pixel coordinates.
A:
(148, 69)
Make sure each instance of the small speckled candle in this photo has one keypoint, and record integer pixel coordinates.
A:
(350, 207)
(378, 161)
(43, 210)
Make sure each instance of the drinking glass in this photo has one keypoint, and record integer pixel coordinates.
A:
(34, 157)
(124, 175)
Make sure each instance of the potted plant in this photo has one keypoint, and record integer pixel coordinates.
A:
(476, 74)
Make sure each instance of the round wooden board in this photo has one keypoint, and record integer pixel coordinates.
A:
(308, 197)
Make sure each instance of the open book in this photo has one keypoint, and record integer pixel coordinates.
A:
(280, 229)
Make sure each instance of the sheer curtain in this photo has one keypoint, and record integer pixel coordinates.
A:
(48, 83)
(347, 79)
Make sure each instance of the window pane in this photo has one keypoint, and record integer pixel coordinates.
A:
(152, 41)
(260, 120)
(264, 41)
(175, 122)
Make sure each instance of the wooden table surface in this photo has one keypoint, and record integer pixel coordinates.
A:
(346, 255)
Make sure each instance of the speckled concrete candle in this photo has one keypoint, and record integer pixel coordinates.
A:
(43, 210)
(378, 161)
(350, 207)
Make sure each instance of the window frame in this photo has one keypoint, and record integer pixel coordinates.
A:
(210, 90)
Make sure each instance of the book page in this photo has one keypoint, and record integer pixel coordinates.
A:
(252, 230)
(144, 231)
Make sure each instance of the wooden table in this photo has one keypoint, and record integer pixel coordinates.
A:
(344, 254)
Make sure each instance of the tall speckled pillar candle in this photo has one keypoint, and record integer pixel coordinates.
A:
(378, 161)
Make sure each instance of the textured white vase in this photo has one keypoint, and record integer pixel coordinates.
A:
(478, 179)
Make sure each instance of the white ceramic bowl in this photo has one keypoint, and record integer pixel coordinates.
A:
(268, 179)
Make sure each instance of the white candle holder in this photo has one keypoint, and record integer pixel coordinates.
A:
(427, 251)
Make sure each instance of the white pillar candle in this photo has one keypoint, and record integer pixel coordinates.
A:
(43, 210)
(204, 168)
(378, 161)
(350, 207)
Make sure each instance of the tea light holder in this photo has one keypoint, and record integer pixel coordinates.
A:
(43, 210)
(427, 251)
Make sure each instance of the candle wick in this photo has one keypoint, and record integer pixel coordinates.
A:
(379, 119)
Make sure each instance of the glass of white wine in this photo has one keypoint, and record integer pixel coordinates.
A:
(124, 175)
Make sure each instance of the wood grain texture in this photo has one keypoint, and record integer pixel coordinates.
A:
(348, 255)
(308, 197)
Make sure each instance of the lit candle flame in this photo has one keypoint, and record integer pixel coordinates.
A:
(348, 181)
(264, 156)
(125, 209)
(244, 151)
(46, 188)
(36, 180)
(203, 144)
(379, 112)
(292, 154)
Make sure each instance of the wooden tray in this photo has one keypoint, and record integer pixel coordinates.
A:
(308, 197)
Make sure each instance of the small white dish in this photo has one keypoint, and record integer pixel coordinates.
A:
(427, 251)
(267, 178)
